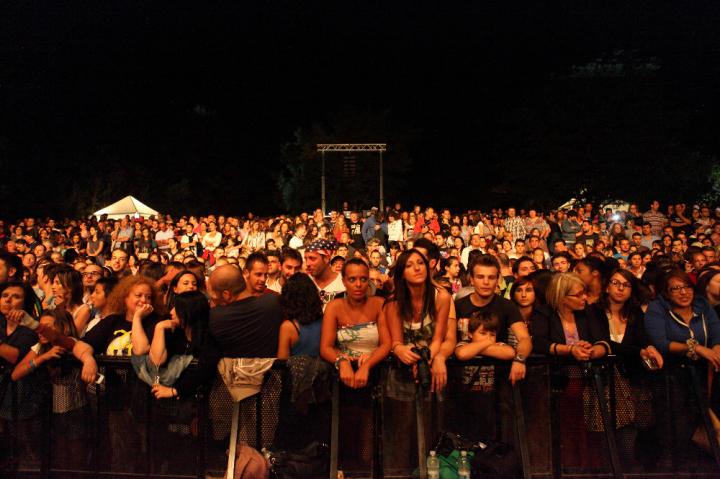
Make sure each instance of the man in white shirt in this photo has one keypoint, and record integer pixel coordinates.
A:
(296, 242)
(162, 237)
(475, 244)
(317, 264)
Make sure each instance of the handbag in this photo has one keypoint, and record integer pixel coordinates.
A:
(310, 462)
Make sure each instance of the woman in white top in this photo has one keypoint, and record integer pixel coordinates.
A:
(255, 239)
(212, 238)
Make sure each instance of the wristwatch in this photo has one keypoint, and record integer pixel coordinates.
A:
(519, 358)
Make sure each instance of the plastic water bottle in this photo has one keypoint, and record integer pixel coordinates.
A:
(433, 466)
(463, 466)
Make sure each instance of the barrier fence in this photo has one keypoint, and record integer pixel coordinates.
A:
(564, 420)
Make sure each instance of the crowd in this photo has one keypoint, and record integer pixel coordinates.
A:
(354, 288)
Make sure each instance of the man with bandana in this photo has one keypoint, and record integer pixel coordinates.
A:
(317, 265)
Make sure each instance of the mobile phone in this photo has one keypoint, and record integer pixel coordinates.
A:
(650, 364)
(100, 378)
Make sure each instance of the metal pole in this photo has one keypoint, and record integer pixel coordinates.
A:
(382, 194)
(322, 181)
(607, 425)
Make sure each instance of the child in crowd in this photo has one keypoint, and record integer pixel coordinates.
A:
(483, 328)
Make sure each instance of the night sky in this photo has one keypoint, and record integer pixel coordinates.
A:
(193, 106)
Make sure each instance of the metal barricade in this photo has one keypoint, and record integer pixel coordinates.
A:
(563, 420)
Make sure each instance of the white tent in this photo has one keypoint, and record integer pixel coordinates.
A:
(127, 206)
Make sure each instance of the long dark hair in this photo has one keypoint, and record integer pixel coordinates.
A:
(402, 291)
(71, 279)
(193, 310)
(171, 295)
(638, 294)
(300, 300)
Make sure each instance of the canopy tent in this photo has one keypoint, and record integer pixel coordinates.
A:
(128, 206)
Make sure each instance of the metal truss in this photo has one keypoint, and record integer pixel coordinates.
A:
(372, 147)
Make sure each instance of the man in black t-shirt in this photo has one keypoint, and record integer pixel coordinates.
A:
(587, 235)
(243, 325)
(484, 277)
(356, 231)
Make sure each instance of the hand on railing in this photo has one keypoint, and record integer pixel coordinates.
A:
(517, 372)
(651, 353)
(581, 350)
(161, 392)
(347, 375)
(439, 373)
(712, 356)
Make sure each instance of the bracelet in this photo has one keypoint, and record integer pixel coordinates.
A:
(691, 354)
(340, 358)
(571, 348)
(31, 365)
(553, 349)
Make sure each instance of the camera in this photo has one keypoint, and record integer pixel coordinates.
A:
(423, 366)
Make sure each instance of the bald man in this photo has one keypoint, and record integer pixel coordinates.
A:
(243, 325)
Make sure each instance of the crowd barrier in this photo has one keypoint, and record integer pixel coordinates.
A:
(563, 420)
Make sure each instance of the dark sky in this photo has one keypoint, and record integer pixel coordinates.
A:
(209, 91)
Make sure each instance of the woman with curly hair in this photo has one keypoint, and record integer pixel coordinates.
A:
(303, 313)
(134, 302)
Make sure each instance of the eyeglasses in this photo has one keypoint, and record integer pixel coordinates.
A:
(620, 284)
(578, 295)
(681, 288)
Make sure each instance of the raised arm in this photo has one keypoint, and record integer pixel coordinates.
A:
(140, 343)
(158, 349)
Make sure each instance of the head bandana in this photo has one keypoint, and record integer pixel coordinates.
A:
(321, 246)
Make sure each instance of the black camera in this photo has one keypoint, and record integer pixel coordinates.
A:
(423, 366)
